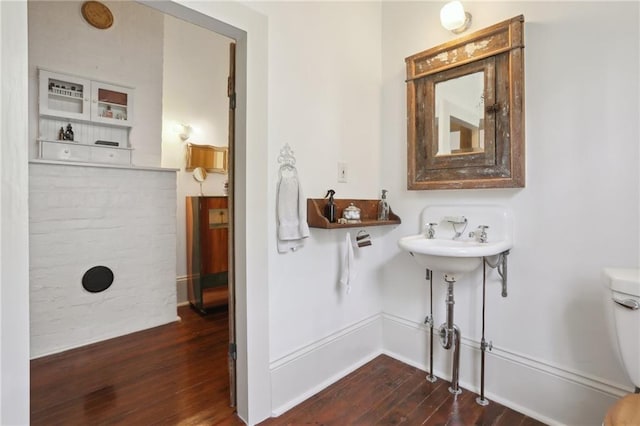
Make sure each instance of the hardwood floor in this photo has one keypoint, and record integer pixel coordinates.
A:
(177, 375)
(388, 392)
(173, 374)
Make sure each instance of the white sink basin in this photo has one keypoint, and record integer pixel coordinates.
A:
(455, 248)
(451, 256)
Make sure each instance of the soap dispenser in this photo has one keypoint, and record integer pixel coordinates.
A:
(383, 207)
(330, 207)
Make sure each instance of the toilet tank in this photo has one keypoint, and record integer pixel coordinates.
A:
(623, 306)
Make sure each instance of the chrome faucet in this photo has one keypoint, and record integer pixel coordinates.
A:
(457, 220)
(431, 232)
(481, 234)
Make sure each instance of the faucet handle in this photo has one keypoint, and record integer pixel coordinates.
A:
(483, 233)
(431, 233)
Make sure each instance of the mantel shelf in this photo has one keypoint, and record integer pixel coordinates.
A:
(368, 213)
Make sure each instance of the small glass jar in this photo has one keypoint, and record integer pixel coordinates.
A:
(351, 214)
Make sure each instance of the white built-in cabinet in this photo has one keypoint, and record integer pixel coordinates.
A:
(97, 111)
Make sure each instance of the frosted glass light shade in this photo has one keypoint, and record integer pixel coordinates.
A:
(453, 17)
(185, 131)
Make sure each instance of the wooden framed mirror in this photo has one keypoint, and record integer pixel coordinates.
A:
(211, 158)
(465, 111)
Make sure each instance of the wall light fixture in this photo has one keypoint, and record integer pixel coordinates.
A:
(454, 18)
(185, 131)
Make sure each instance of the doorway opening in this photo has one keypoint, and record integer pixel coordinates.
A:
(198, 140)
(179, 10)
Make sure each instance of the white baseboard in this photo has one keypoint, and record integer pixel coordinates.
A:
(552, 394)
(303, 373)
(549, 393)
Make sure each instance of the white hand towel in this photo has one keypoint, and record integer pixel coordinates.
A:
(349, 272)
(291, 212)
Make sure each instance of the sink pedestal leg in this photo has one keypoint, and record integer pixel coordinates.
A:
(454, 389)
(429, 320)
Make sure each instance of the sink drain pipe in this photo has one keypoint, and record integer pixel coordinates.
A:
(429, 320)
(450, 335)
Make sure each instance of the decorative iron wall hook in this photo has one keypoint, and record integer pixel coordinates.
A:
(286, 157)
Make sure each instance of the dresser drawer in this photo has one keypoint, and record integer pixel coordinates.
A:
(64, 151)
(100, 154)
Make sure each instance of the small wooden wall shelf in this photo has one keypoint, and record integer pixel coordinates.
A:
(368, 213)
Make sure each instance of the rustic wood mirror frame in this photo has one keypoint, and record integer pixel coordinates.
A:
(498, 51)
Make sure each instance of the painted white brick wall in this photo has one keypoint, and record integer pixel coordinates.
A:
(80, 217)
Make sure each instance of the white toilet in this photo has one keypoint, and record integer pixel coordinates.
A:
(622, 302)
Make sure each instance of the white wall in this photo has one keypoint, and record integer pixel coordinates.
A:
(61, 313)
(14, 225)
(325, 105)
(324, 79)
(61, 40)
(196, 67)
(81, 217)
(578, 213)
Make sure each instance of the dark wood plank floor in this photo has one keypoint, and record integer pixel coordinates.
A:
(173, 374)
(388, 392)
(177, 374)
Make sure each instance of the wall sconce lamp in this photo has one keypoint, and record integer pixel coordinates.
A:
(454, 18)
(185, 131)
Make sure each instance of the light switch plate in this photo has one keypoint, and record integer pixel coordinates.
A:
(342, 172)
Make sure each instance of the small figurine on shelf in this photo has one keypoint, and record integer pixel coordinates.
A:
(108, 113)
(68, 134)
(61, 134)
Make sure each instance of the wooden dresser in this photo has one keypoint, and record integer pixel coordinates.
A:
(207, 222)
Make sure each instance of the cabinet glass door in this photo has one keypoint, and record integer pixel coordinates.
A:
(64, 96)
(111, 104)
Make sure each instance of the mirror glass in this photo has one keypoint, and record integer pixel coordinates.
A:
(199, 174)
(459, 113)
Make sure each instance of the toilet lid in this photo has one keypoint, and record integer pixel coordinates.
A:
(623, 280)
